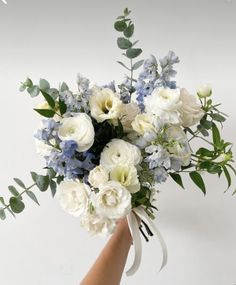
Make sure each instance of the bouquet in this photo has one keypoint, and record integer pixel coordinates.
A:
(108, 148)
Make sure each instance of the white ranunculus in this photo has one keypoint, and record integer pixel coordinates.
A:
(42, 148)
(165, 103)
(96, 224)
(113, 200)
(204, 91)
(104, 104)
(127, 114)
(98, 176)
(78, 128)
(119, 151)
(178, 144)
(126, 176)
(73, 196)
(191, 111)
(144, 123)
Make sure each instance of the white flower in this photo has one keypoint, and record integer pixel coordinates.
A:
(104, 104)
(79, 129)
(144, 123)
(113, 200)
(126, 176)
(164, 102)
(98, 176)
(178, 144)
(96, 224)
(127, 114)
(42, 148)
(204, 91)
(73, 196)
(190, 111)
(120, 152)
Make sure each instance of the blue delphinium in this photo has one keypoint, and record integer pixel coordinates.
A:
(68, 162)
(154, 76)
(48, 131)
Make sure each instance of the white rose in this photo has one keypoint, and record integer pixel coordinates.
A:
(79, 129)
(127, 114)
(96, 224)
(42, 148)
(190, 111)
(178, 144)
(165, 103)
(144, 123)
(126, 176)
(113, 200)
(98, 176)
(104, 104)
(73, 196)
(204, 91)
(120, 152)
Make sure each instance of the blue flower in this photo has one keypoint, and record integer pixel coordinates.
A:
(68, 148)
(48, 131)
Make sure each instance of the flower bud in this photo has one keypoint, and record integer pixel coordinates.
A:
(204, 91)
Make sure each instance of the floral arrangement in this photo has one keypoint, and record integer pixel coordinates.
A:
(108, 148)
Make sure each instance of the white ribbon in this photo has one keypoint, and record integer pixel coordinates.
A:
(134, 230)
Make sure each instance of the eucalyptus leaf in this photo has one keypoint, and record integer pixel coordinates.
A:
(120, 26)
(133, 52)
(13, 190)
(53, 187)
(32, 196)
(218, 117)
(33, 91)
(17, 206)
(42, 182)
(128, 32)
(19, 182)
(197, 179)
(216, 136)
(227, 175)
(64, 87)
(2, 214)
(121, 63)
(137, 64)
(123, 43)
(44, 84)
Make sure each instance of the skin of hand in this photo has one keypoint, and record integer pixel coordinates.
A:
(109, 266)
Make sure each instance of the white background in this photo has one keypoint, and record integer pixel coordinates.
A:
(57, 39)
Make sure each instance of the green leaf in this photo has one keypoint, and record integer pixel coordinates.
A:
(60, 178)
(62, 107)
(197, 179)
(22, 88)
(216, 136)
(123, 43)
(2, 214)
(32, 196)
(49, 99)
(126, 12)
(121, 63)
(34, 176)
(203, 131)
(218, 117)
(42, 182)
(64, 87)
(4, 204)
(227, 175)
(128, 32)
(133, 52)
(17, 206)
(53, 187)
(137, 64)
(205, 152)
(206, 124)
(19, 182)
(13, 190)
(120, 26)
(45, 112)
(28, 82)
(33, 91)
(177, 178)
(51, 173)
(44, 84)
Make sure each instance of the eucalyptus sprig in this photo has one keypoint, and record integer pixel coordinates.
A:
(16, 205)
(125, 26)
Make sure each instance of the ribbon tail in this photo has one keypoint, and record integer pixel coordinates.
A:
(143, 215)
(134, 230)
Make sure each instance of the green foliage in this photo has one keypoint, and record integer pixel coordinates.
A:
(44, 85)
(17, 206)
(177, 178)
(45, 112)
(197, 179)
